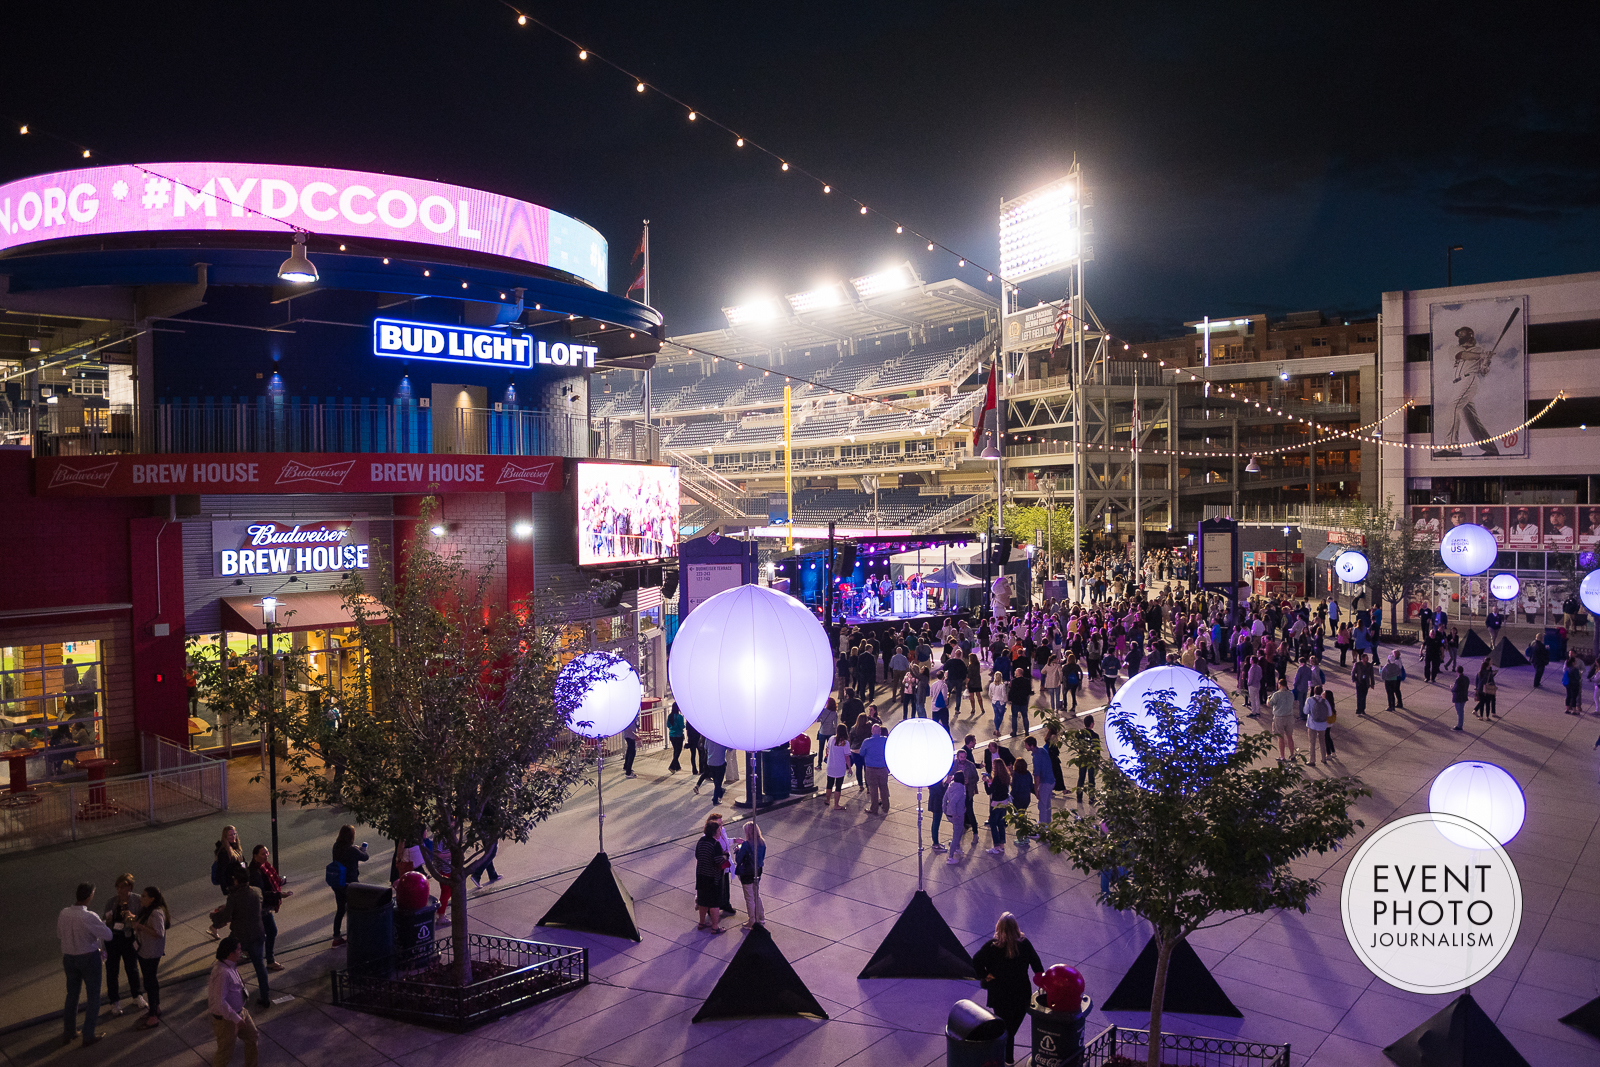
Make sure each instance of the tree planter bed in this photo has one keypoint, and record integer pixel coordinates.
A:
(508, 975)
(1121, 1047)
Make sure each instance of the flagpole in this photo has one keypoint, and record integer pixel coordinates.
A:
(645, 246)
(1138, 488)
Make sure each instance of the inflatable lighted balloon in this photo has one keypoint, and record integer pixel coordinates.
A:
(919, 752)
(751, 668)
(1063, 987)
(1480, 793)
(1137, 701)
(1351, 566)
(599, 693)
(1468, 549)
(1589, 592)
(1504, 586)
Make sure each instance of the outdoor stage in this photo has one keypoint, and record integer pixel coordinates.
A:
(877, 626)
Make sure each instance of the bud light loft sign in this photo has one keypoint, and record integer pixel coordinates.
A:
(465, 344)
(312, 546)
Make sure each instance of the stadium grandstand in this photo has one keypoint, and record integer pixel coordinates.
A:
(886, 372)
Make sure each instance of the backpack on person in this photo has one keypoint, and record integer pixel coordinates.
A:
(335, 875)
(744, 864)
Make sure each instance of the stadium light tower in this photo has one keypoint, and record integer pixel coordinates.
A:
(1041, 232)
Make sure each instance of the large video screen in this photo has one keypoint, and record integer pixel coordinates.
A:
(626, 512)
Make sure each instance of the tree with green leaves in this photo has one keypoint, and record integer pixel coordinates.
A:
(1196, 833)
(449, 727)
(1049, 528)
(1398, 564)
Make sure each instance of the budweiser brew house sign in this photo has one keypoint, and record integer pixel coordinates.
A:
(295, 473)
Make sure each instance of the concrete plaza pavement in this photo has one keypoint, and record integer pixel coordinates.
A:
(835, 882)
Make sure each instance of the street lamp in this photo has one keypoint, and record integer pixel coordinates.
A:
(269, 616)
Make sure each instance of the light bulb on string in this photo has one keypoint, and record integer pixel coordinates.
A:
(522, 20)
(692, 116)
(863, 209)
(786, 166)
(930, 246)
(738, 142)
(899, 229)
(583, 53)
(639, 88)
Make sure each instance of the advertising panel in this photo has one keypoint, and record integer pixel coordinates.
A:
(1589, 528)
(1524, 531)
(1492, 518)
(1479, 377)
(294, 472)
(403, 339)
(1560, 532)
(272, 546)
(144, 197)
(626, 512)
(1426, 524)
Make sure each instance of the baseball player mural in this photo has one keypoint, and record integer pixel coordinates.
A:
(1480, 385)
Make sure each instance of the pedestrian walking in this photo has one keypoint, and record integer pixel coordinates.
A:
(230, 1019)
(999, 690)
(269, 883)
(1281, 704)
(1572, 682)
(122, 953)
(1018, 694)
(1362, 675)
(874, 758)
(696, 745)
(710, 863)
(151, 926)
(630, 741)
(1021, 789)
(229, 857)
(936, 793)
(675, 725)
(1316, 713)
(1394, 672)
(1003, 965)
(1086, 755)
(968, 769)
(956, 807)
(714, 768)
(748, 864)
(347, 858)
(838, 767)
(1458, 696)
(1539, 656)
(827, 726)
(242, 912)
(82, 935)
(1044, 775)
(998, 783)
(1487, 689)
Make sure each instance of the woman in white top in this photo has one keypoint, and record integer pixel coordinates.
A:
(838, 768)
(998, 692)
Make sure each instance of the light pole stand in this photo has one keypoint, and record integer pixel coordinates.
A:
(596, 901)
(752, 784)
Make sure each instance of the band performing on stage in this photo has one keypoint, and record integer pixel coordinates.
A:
(880, 598)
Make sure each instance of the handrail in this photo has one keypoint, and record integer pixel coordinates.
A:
(949, 515)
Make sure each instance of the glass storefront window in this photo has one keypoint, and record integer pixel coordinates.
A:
(51, 703)
(330, 662)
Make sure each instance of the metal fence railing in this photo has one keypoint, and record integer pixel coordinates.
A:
(187, 787)
(1118, 1045)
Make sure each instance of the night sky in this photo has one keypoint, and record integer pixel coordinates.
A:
(1243, 157)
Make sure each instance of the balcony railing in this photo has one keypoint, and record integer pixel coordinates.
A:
(310, 424)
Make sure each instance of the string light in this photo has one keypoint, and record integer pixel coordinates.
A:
(24, 129)
(522, 20)
(786, 166)
(639, 88)
(739, 143)
(827, 188)
(583, 53)
(863, 209)
(693, 116)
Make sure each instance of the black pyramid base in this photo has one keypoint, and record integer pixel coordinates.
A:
(1190, 988)
(920, 945)
(759, 981)
(596, 901)
(1473, 645)
(1505, 654)
(1586, 1018)
(1459, 1035)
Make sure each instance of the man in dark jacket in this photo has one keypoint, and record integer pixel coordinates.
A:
(1361, 674)
(1019, 693)
(1458, 697)
(1540, 655)
(243, 915)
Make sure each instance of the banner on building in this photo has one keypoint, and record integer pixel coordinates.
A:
(296, 472)
(1480, 377)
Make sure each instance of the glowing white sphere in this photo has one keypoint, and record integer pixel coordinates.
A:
(1480, 793)
(1351, 566)
(919, 752)
(1136, 700)
(1589, 592)
(1504, 586)
(751, 667)
(1468, 549)
(608, 703)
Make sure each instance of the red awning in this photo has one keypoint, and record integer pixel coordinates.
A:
(296, 611)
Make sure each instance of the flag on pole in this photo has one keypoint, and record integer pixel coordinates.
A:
(1063, 319)
(986, 427)
(637, 286)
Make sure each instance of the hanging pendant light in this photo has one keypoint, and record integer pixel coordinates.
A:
(297, 268)
(1252, 467)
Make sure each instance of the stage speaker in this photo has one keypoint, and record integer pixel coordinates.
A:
(669, 585)
(844, 560)
(1000, 552)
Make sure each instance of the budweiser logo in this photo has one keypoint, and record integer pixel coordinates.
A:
(539, 475)
(97, 477)
(332, 474)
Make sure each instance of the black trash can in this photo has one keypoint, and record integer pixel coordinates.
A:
(802, 774)
(413, 936)
(1058, 1035)
(370, 950)
(775, 774)
(974, 1037)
